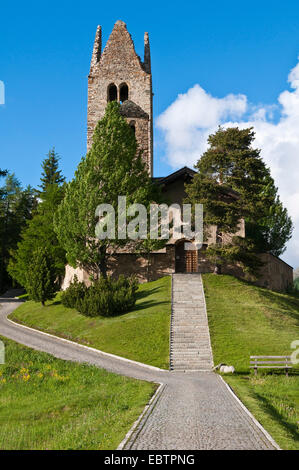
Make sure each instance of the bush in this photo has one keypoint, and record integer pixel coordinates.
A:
(104, 297)
(73, 294)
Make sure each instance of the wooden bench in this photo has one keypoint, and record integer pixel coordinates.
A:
(271, 362)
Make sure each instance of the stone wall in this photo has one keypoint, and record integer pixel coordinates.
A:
(119, 64)
(275, 274)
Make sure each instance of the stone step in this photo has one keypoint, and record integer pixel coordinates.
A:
(189, 335)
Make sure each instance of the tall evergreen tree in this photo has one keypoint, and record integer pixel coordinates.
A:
(113, 167)
(41, 277)
(2, 173)
(16, 206)
(232, 183)
(39, 233)
(50, 170)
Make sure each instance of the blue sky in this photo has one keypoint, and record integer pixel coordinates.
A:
(226, 48)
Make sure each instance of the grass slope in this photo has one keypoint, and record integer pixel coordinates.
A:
(141, 335)
(47, 403)
(246, 320)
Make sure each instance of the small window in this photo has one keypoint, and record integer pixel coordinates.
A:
(132, 125)
(112, 92)
(123, 92)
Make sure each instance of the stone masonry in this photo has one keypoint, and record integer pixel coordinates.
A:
(190, 347)
(117, 66)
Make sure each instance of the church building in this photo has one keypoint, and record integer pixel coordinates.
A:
(118, 73)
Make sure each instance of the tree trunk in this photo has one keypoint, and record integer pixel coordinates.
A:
(103, 262)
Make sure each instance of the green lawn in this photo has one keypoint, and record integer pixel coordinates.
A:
(47, 403)
(141, 335)
(246, 320)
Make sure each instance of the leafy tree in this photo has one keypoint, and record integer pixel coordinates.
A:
(113, 167)
(39, 233)
(16, 206)
(50, 171)
(233, 183)
(41, 277)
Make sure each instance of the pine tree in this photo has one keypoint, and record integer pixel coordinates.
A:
(16, 206)
(40, 277)
(113, 167)
(39, 233)
(50, 170)
(233, 183)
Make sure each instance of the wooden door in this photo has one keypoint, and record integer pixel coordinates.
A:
(191, 261)
(186, 261)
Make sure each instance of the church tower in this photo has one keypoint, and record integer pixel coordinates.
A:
(118, 74)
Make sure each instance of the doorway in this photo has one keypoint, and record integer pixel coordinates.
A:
(186, 261)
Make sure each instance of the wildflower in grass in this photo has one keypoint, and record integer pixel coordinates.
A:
(3, 380)
(40, 375)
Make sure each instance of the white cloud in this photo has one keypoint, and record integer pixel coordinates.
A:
(188, 121)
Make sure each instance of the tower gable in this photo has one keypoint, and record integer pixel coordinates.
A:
(117, 73)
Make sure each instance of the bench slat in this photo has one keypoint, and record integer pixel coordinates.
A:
(270, 357)
(271, 367)
(270, 362)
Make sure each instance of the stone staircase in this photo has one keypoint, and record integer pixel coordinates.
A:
(190, 347)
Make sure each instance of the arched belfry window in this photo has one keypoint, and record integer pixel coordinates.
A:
(112, 92)
(123, 92)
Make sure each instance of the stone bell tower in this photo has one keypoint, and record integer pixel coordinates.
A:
(118, 73)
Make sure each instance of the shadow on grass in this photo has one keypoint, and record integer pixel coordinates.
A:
(148, 304)
(146, 292)
(284, 303)
(269, 409)
(294, 372)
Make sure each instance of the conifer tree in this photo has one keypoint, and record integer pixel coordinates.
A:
(50, 170)
(113, 167)
(16, 206)
(39, 233)
(41, 277)
(233, 183)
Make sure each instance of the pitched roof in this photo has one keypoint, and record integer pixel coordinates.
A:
(184, 172)
(187, 173)
(130, 109)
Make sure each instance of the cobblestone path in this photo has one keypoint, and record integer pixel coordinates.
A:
(199, 413)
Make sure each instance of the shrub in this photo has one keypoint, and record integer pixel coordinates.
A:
(73, 294)
(104, 297)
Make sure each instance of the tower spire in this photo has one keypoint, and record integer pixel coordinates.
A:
(97, 49)
(147, 54)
